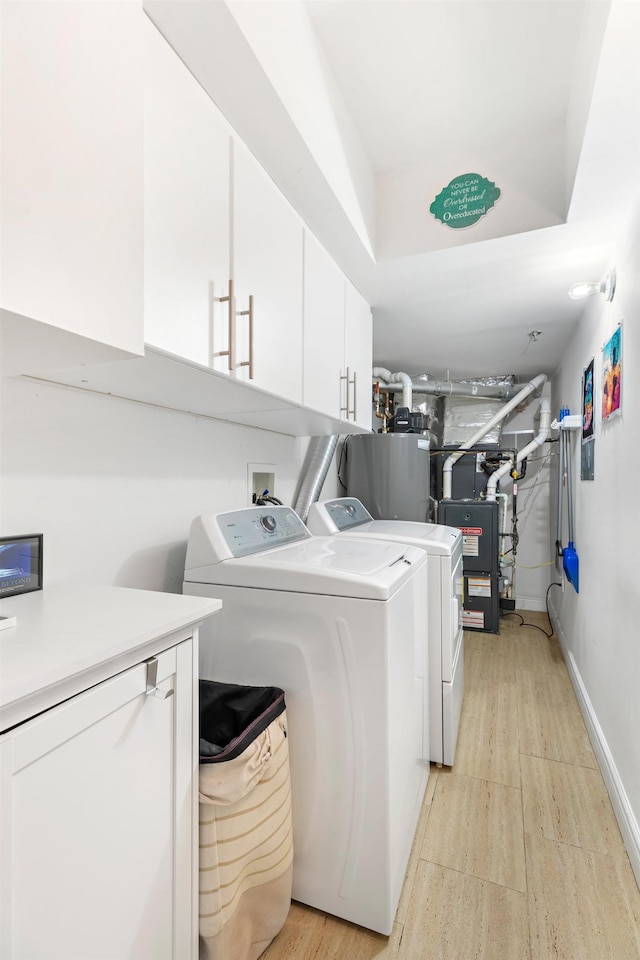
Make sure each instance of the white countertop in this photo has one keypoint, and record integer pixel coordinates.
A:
(71, 636)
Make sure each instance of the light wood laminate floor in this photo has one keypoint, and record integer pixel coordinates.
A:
(517, 854)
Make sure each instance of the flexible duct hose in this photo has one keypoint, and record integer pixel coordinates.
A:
(315, 476)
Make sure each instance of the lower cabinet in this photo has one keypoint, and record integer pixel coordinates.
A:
(97, 821)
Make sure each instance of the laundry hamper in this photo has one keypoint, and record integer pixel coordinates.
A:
(246, 846)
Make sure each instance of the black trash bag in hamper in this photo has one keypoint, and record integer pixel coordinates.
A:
(232, 716)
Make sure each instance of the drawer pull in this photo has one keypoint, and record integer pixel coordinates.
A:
(152, 682)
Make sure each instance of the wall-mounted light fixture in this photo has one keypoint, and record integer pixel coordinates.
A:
(606, 287)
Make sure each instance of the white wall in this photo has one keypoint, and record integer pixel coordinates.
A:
(599, 626)
(114, 484)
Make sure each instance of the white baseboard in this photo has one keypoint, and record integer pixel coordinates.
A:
(531, 603)
(619, 801)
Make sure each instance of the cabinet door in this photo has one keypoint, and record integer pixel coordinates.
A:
(186, 191)
(267, 265)
(97, 823)
(72, 244)
(358, 356)
(324, 384)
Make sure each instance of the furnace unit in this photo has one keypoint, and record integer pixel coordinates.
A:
(478, 521)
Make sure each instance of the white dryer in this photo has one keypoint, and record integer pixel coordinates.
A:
(348, 516)
(338, 623)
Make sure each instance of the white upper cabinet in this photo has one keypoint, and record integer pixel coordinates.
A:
(72, 220)
(132, 214)
(223, 247)
(358, 357)
(267, 272)
(324, 385)
(186, 194)
(337, 340)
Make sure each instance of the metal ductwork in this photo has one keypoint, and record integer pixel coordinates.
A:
(389, 381)
(315, 474)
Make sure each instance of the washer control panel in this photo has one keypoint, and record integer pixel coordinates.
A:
(347, 512)
(260, 528)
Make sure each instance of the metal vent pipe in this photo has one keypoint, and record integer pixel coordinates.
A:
(315, 475)
(389, 381)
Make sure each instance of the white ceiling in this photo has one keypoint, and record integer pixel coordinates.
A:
(439, 89)
(426, 78)
(540, 96)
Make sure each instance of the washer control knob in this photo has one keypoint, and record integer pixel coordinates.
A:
(268, 522)
(351, 510)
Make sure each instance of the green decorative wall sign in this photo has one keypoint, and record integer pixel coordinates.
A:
(465, 200)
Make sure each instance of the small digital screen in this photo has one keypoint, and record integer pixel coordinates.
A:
(20, 564)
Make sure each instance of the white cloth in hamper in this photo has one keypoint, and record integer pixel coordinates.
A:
(246, 848)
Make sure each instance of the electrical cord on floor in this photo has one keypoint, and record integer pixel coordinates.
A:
(523, 622)
(513, 613)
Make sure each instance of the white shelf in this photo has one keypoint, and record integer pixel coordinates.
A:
(165, 380)
(571, 422)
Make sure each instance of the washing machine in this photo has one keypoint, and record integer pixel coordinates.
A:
(347, 516)
(338, 623)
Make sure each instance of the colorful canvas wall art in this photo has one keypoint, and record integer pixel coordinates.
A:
(587, 402)
(612, 376)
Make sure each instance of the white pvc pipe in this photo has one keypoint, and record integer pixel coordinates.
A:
(405, 380)
(390, 378)
(545, 427)
(479, 434)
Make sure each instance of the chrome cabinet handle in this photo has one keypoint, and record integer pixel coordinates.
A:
(248, 313)
(345, 409)
(349, 383)
(353, 383)
(152, 681)
(231, 322)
